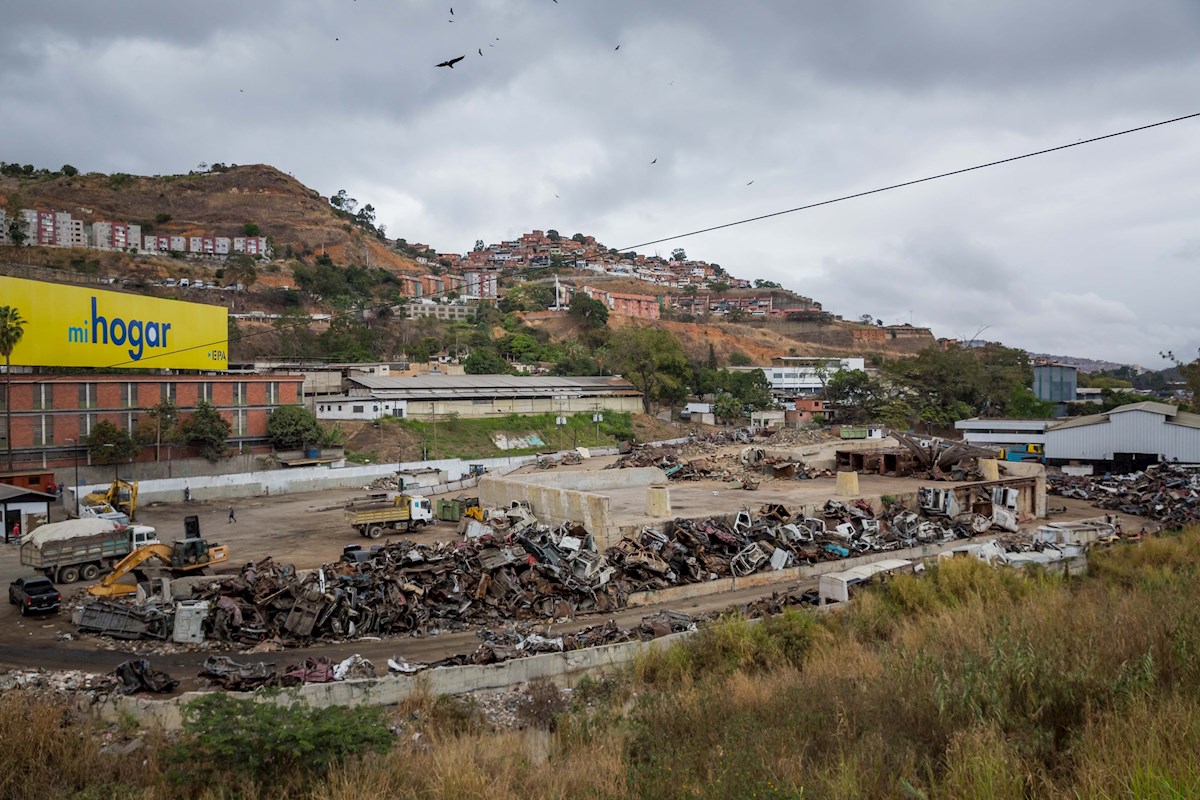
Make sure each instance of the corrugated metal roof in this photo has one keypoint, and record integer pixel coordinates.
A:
(1173, 416)
(10, 492)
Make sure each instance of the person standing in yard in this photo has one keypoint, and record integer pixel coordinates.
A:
(232, 516)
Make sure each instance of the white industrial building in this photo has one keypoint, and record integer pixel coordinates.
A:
(473, 396)
(1003, 432)
(795, 375)
(1126, 438)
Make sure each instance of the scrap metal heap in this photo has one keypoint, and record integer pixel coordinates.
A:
(511, 567)
(709, 458)
(1167, 493)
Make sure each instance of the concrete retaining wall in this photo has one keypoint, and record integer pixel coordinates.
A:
(393, 689)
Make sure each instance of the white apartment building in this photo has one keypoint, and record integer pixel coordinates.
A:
(250, 245)
(796, 375)
(68, 231)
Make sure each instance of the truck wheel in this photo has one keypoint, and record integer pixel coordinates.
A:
(418, 524)
(89, 572)
(68, 575)
(375, 531)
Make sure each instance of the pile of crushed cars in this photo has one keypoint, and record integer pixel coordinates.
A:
(509, 567)
(693, 552)
(1167, 493)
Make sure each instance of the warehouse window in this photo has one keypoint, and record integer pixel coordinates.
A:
(87, 395)
(239, 393)
(129, 396)
(43, 430)
(273, 393)
(356, 409)
(239, 422)
(167, 391)
(43, 396)
(205, 391)
(85, 424)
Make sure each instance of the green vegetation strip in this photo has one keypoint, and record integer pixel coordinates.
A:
(454, 437)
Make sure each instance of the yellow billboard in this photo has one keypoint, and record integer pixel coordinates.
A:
(76, 326)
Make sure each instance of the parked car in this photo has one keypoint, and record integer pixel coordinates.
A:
(34, 595)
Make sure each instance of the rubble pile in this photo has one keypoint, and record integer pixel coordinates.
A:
(703, 461)
(1167, 493)
(231, 675)
(519, 641)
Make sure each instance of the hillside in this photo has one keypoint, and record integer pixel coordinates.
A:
(215, 203)
(760, 340)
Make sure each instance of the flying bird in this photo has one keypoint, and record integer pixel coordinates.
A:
(452, 11)
(749, 183)
(451, 62)
(618, 47)
(481, 51)
(655, 161)
(491, 45)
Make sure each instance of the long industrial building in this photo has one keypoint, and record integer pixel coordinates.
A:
(371, 397)
(1126, 438)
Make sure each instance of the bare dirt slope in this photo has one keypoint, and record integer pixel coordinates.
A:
(760, 343)
(215, 204)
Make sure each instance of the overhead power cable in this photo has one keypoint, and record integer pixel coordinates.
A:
(1080, 143)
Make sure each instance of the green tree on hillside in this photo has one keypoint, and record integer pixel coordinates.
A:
(486, 361)
(652, 360)
(593, 313)
(12, 328)
(1190, 374)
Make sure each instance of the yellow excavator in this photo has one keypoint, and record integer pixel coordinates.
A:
(186, 557)
(122, 496)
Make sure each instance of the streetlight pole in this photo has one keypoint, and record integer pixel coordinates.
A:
(75, 488)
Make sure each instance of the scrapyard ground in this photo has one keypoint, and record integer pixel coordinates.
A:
(307, 530)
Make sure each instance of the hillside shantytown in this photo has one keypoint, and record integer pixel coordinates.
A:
(568, 416)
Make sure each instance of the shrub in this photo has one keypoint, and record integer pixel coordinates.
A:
(270, 743)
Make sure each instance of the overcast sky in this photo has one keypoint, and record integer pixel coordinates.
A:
(1092, 252)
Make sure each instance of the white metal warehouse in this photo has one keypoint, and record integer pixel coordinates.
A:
(1127, 438)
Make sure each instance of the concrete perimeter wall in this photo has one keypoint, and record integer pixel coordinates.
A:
(392, 689)
(298, 479)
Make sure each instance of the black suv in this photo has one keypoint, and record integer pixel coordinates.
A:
(34, 595)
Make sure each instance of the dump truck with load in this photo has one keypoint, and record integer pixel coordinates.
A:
(373, 515)
(80, 549)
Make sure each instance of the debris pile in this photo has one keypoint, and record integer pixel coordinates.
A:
(510, 567)
(692, 552)
(1167, 493)
(519, 641)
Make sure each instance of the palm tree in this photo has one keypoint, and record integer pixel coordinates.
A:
(12, 328)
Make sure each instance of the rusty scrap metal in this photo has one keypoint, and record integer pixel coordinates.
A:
(1166, 493)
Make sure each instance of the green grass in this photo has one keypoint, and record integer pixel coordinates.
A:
(451, 437)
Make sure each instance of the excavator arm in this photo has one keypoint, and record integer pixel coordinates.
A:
(110, 585)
